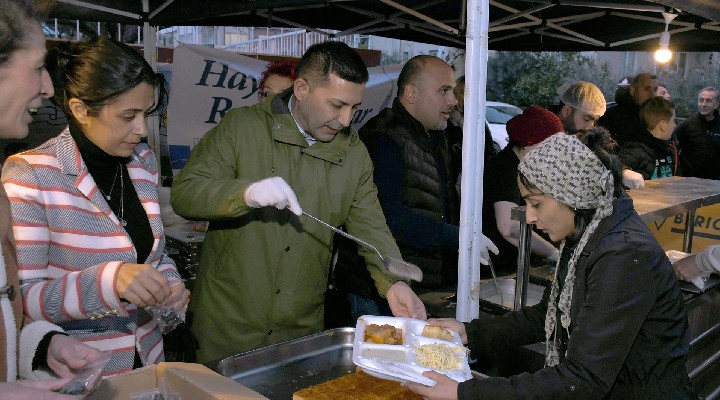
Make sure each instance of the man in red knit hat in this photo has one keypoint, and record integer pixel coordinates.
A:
(525, 131)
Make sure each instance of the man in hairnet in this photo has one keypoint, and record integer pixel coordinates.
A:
(581, 105)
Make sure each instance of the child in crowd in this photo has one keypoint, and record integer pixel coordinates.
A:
(651, 153)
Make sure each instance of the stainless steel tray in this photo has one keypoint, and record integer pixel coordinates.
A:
(279, 370)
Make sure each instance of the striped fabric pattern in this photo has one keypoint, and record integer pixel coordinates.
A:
(70, 245)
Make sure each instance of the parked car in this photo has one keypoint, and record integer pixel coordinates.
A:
(497, 115)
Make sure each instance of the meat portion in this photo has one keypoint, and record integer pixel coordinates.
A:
(383, 334)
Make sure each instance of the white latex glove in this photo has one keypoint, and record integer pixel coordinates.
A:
(632, 179)
(486, 246)
(272, 192)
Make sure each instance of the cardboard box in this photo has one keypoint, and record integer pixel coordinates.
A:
(191, 381)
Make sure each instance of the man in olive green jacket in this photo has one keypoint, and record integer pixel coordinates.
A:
(264, 269)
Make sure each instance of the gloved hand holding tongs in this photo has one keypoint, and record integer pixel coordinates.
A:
(403, 302)
(274, 192)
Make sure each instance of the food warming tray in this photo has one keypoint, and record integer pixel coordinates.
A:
(279, 370)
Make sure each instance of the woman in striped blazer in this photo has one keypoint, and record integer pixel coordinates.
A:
(90, 242)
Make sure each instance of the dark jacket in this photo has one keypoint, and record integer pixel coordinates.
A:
(699, 144)
(416, 188)
(628, 331)
(454, 134)
(652, 157)
(500, 184)
(622, 119)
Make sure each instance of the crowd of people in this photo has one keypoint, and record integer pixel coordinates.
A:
(83, 247)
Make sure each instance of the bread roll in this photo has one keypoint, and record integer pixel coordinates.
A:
(437, 332)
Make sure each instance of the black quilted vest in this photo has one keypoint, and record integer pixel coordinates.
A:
(423, 190)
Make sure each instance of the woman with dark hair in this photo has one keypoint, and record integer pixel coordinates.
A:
(278, 76)
(24, 84)
(613, 320)
(91, 247)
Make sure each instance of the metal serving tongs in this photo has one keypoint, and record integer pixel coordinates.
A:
(392, 265)
(494, 277)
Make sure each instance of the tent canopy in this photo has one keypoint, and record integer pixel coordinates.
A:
(515, 25)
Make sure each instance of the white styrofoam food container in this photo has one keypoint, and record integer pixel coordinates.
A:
(398, 362)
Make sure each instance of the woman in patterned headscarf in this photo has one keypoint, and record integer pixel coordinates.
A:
(613, 320)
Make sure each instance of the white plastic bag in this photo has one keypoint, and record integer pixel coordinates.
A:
(167, 318)
(699, 281)
(87, 379)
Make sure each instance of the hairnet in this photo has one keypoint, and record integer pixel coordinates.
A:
(584, 96)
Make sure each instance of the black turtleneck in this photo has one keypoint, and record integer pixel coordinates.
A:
(105, 169)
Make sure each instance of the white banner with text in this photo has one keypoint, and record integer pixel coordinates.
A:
(206, 83)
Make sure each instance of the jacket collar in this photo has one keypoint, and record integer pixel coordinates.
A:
(622, 209)
(72, 164)
(408, 120)
(716, 116)
(626, 101)
(647, 138)
(284, 130)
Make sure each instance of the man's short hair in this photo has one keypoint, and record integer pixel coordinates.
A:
(410, 72)
(709, 89)
(322, 59)
(639, 78)
(655, 110)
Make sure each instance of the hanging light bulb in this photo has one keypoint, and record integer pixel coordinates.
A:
(663, 53)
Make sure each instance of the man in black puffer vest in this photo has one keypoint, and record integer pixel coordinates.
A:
(622, 119)
(414, 175)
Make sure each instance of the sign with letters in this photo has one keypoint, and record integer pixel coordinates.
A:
(670, 231)
(206, 83)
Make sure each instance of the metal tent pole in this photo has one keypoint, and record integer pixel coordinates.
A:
(476, 55)
(150, 51)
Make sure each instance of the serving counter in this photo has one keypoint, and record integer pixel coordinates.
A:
(667, 197)
(282, 369)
